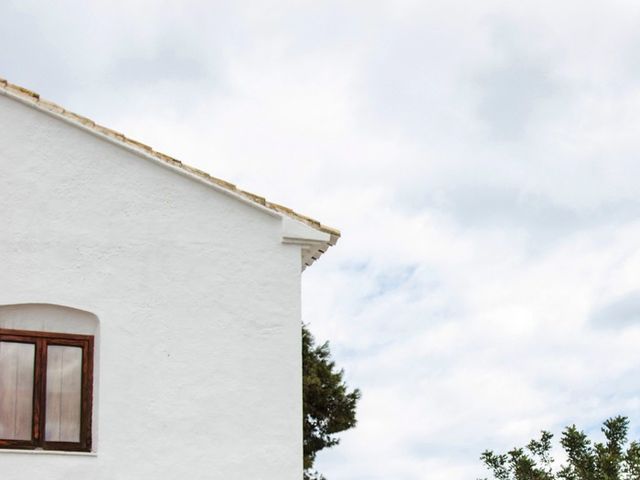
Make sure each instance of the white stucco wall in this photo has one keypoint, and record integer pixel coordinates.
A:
(197, 301)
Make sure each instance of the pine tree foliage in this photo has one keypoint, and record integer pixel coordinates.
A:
(329, 406)
(612, 459)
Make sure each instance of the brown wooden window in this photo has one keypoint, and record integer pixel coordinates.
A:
(46, 382)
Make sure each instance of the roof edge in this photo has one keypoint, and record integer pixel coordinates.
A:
(32, 98)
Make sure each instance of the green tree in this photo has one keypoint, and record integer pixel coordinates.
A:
(612, 459)
(328, 404)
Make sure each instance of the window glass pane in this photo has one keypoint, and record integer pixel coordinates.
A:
(17, 362)
(64, 394)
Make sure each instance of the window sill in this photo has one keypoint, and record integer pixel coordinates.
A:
(48, 452)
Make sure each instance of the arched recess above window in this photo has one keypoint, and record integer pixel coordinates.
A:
(46, 377)
(45, 317)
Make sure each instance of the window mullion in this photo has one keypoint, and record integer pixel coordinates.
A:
(39, 391)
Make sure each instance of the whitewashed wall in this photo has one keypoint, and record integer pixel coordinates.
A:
(197, 300)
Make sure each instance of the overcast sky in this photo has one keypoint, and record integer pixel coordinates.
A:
(481, 158)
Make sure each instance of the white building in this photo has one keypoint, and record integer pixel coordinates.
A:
(149, 313)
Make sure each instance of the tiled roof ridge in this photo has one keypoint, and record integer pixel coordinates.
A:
(34, 98)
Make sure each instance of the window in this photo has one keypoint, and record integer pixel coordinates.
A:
(45, 390)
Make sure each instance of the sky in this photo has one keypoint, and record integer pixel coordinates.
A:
(480, 157)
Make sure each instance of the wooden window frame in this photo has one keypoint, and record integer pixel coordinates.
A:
(42, 340)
